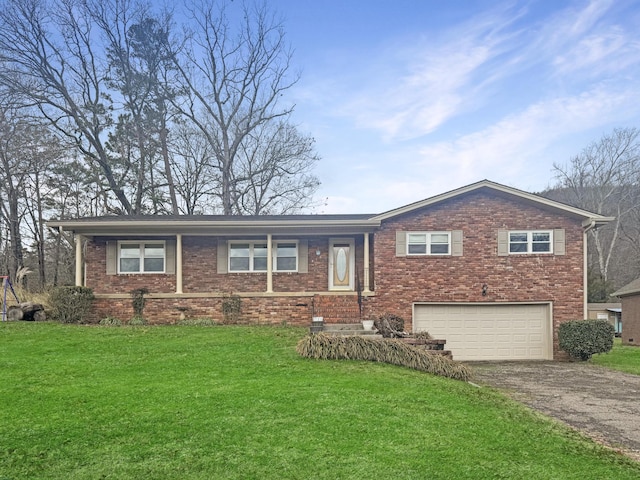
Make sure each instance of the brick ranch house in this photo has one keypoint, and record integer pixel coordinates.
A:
(492, 269)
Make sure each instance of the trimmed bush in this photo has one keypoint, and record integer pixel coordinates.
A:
(231, 308)
(395, 352)
(138, 301)
(582, 338)
(70, 304)
(137, 321)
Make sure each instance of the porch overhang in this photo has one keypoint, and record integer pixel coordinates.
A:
(248, 226)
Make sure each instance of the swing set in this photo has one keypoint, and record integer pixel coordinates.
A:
(6, 286)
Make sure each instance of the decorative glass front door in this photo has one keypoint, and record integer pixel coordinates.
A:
(341, 264)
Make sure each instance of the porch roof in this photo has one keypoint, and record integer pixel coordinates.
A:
(159, 225)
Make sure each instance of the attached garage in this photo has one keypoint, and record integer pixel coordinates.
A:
(489, 331)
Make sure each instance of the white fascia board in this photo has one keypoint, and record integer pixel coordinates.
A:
(128, 227)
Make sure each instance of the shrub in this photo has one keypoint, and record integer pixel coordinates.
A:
(138, 301)
(231, 308)
(197, 322)
(111, 322)
(70, 304)
(389, 325)
(137, 321)
(395, 352)
(582, 338)
(422, 336)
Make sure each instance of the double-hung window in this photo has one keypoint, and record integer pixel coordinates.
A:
(141, 257)
(525, 241)
(286, 257)
(429, 243)
(246, 256)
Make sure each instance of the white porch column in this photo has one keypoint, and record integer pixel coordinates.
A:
(269, 264)
(78, 260)
(366, 263)
(179, 263)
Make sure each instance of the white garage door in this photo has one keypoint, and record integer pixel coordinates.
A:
(489, 332)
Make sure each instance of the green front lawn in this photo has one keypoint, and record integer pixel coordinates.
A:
(623, 357)
(238, 402)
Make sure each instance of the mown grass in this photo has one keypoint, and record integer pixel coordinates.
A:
(239, 403)
(624, 358)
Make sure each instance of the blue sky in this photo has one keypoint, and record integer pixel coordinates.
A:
(409, 99)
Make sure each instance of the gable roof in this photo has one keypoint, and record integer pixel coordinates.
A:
(290, 224)
(629, 289)
(588, 218)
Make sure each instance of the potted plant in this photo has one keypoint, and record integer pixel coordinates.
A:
(367, 324)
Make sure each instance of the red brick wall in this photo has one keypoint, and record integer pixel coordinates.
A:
(401, 281)
(200, 276)
(272, 310)
(337, 308)
(254, 310)
(100, 282)
(631, 320)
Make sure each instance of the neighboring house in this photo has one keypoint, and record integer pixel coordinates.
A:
(611, 312)
(630, 299)
(491, 269)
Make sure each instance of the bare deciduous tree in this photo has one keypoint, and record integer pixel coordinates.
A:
(195, 174)
(272, 174)
(235, 79)
(49, 55)
(15, 134)
(604, 179)
(152, 121)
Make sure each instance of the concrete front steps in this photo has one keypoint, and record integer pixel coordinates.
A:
(346, 329)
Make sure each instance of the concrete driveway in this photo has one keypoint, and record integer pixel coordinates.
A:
(602, 403)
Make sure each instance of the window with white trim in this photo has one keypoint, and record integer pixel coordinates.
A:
(429, 243)
(247, 256)
(141, 257)
(285, 257)
(531, 241)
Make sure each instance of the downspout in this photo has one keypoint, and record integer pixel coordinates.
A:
(366, 263)
(585, 278)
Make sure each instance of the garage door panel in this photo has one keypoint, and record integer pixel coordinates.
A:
(489, 332)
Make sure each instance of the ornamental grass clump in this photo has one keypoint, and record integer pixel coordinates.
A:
(197, 322)
(395, 352)
(111, 322)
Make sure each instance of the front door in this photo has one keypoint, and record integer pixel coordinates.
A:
(341, 264)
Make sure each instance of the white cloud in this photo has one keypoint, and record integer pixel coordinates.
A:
(413, 88)
(513, 147)
(534, 87)
(517, 150)
(598, 55)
